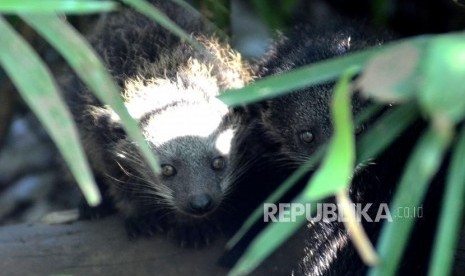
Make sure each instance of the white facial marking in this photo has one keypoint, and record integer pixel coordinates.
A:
(198, 121)
(224, 142)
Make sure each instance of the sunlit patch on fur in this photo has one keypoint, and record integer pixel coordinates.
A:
(197, 120)
(224, 141)
(343, 46)
(234, 72)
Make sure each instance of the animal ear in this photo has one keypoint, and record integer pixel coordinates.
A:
(251, 111)
(242, 112)
(108, 124)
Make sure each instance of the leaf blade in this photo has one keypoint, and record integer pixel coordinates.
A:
(443, 70)
(41, 94)
(451, 213)
(52, 6)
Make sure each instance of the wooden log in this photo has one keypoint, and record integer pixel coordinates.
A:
(101, 247)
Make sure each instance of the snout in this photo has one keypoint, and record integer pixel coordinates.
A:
(200, 204)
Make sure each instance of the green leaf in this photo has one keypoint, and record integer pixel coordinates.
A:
(391, 76)
(451, 213)
(155, 14)
(298, 78)
(421, 167)
(441, 92)
(38, 89)
(340, 157)
(90, 69)
(418, 69)
(52, 6)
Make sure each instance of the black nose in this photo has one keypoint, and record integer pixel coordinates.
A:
(200, 204)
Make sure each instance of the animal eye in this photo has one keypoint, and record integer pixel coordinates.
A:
(359, 129)
(218, 163)
(306, 137)
(168, 170)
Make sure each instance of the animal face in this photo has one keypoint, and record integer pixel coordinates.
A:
(193, 143)
(301, 120)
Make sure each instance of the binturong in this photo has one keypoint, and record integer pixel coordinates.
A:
(298, 124)
(170, 89)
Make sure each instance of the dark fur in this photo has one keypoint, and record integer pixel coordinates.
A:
(170, 89)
